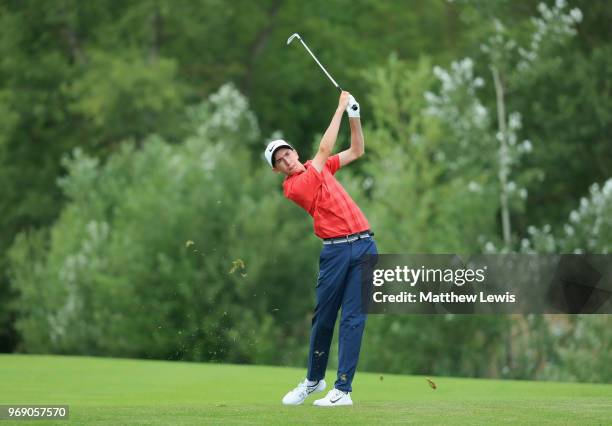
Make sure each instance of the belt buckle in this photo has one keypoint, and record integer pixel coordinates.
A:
(339, 240)
(344, 239)
(348, 238)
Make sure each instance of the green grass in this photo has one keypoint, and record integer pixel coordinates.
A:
(118, 391)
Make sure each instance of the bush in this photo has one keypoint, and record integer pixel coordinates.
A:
(170, 251)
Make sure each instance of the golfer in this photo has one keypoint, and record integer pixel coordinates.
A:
(346, 236)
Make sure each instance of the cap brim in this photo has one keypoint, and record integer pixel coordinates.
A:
(276, 149)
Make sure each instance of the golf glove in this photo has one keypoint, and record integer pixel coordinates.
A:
(352, 108)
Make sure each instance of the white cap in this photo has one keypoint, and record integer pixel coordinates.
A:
(273, 147)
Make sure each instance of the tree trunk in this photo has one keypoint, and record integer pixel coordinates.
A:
(156, 34)
(258, 46)
(503, 156)
(70, 36)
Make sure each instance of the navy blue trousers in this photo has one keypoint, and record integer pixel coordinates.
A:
(339, 286)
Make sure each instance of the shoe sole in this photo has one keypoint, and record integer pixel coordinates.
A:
(333, 405)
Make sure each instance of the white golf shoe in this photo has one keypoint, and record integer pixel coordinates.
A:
(334, 398)
(303, 391)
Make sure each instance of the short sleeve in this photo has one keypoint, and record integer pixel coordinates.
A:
(333, 163)
(303, 188)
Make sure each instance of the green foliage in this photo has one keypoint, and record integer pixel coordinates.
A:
(588, 229)
(563, 97)
(143, 259)
(584, 336)
(455, 345)
(429, 188)
(125, 95)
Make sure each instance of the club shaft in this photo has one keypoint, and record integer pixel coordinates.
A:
(322, 67)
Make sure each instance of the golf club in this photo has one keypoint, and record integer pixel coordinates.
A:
(296, 35)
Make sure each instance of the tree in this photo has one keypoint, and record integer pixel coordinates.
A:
(159, 252)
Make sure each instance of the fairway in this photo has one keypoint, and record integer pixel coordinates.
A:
(119, 391)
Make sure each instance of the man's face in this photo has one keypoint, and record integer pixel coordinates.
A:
(286, 161)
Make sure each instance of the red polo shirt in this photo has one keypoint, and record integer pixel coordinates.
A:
(334, 212)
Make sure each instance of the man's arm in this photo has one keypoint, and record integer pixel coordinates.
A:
(357, 145)
(331, 134)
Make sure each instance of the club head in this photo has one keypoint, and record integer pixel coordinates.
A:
(290, 39)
